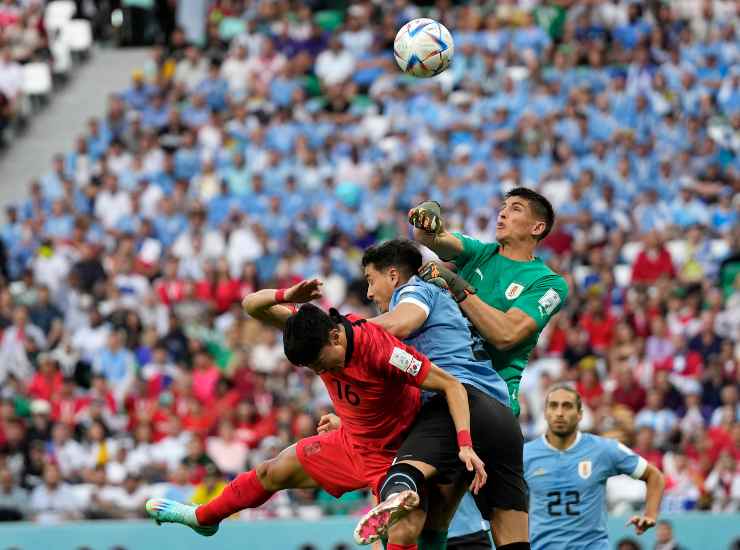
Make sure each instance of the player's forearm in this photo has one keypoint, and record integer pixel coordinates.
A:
(492, 324)
(264, 306)
(654, 494)
(402, 321)
(392, 324)
(445, 245)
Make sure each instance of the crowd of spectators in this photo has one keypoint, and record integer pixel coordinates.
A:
(126, 366)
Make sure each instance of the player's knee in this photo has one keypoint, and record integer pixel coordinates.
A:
(403, 477)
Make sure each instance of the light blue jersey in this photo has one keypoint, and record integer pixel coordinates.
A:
(445, 338)
(567, 490)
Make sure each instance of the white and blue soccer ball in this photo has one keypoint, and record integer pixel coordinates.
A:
(423, 48)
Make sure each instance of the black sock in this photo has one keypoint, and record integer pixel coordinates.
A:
(515, 546)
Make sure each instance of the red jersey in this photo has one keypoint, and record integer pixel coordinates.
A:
(377, 394)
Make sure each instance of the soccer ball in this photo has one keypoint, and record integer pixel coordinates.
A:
(423, 48)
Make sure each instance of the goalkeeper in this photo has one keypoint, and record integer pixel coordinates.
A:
(505, 291)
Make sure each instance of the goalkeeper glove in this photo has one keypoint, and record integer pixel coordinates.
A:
(427, 216)
(436, 273)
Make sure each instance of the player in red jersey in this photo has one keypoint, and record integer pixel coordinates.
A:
(373, 380)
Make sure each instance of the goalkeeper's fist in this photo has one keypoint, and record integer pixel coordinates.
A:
(436, 273)
(427, 216)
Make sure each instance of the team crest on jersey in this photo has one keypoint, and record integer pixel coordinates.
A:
(513, 291)
(584, 469)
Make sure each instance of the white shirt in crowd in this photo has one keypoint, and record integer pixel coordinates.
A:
(334, 67)
(110, 207)
(55, 504)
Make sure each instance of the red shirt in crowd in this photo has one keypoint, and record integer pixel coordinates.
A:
(600, 330)
(689, 364)
(633, 397)
(652, 455)
(170, 291)
(650, 265)
(221, 294)
(591, 395)
(45, 387)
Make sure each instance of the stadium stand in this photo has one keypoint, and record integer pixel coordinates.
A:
(289, 141)
(39, 46)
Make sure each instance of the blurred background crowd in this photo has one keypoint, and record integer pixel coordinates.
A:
(269, 141)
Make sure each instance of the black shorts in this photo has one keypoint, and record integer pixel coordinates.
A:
(473, 541)
(497, 439)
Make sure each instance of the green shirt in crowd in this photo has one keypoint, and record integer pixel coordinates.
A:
(502, 283)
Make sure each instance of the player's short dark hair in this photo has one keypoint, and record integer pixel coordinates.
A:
(402, 254)
(305, 333)
(540, 206)
(567, 388)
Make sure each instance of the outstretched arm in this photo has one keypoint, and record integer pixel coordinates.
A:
(402, 321)
(266, 305)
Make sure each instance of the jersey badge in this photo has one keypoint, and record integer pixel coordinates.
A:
(513, 291)
(405, 362)
(548, 302)
(584, 469)
(539, 472)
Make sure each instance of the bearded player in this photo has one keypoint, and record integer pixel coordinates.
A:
(567, 471)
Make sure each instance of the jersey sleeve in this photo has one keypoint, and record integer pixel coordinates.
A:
(472, 248)
(543, 299)
(418, 294)
(396, 361)
(623, 460)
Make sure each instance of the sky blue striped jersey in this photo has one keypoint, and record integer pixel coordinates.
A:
(445, 338)
(567, 490)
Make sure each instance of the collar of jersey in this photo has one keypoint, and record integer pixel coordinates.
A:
(412, 280)
(572, 446)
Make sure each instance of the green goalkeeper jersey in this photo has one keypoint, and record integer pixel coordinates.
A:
(502, 283)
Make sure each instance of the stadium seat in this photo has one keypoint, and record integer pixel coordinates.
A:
(57, 13)
(77, 34)
(622, 275)
(37, 79)
(231, 27)
(580, 273)
(62, 58)
(720, 248)
(679, 251)
(630, 251)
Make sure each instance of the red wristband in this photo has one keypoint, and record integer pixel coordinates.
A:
(464, 439)
(280, 295)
